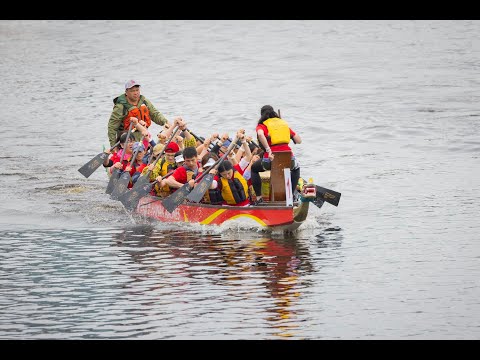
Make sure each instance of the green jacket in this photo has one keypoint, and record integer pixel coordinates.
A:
(115, 124)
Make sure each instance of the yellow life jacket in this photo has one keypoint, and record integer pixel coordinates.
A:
(212, 196)
(164, 168)
(206, 198)
(278, 131)
(191, 174)
(235, 190)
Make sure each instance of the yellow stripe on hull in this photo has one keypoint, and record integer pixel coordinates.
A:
(212, 217)
(251, 217)
(217, 213)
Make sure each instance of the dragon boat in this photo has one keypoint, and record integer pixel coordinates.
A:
(279, 212)
(281, 209)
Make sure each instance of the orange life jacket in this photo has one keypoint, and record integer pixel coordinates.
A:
(141, 113)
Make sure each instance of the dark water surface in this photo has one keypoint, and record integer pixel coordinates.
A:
(389, 116)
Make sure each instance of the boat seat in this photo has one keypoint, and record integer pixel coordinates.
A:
(281, 160)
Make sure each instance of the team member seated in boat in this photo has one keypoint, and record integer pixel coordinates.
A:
(128, 164)
(123, 136)
(115, 158)
(152, 155)
(232, 185)
(137, 165)
(273, 135)
(212, 196)
(167, 163)
(185, 173)
(162, 167)
(132, 104)
(247, 174)
(179, 160)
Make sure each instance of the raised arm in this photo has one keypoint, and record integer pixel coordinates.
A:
(244, 149)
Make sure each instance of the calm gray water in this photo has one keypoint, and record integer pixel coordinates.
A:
(389, 115)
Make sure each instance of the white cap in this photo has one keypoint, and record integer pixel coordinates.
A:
(179, 158)
(209, 162)
(131, 83)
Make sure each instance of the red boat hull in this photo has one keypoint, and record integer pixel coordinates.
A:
(267, 216)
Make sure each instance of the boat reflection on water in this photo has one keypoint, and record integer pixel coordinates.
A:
(283, 262)
(265, 276)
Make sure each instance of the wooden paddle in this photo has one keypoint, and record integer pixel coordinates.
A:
(145, 178)
(204, 182)
(131, 198)
(116, 172)
(122, 184)
(89, 168)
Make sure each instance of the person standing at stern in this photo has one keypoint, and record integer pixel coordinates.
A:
(129, 105)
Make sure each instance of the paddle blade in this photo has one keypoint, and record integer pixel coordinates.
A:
(142, 180)
(330, 196)
(131, 198)
(199, 190)
(88, 169)
(113, 181)
(171, 202)
(121, 186)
